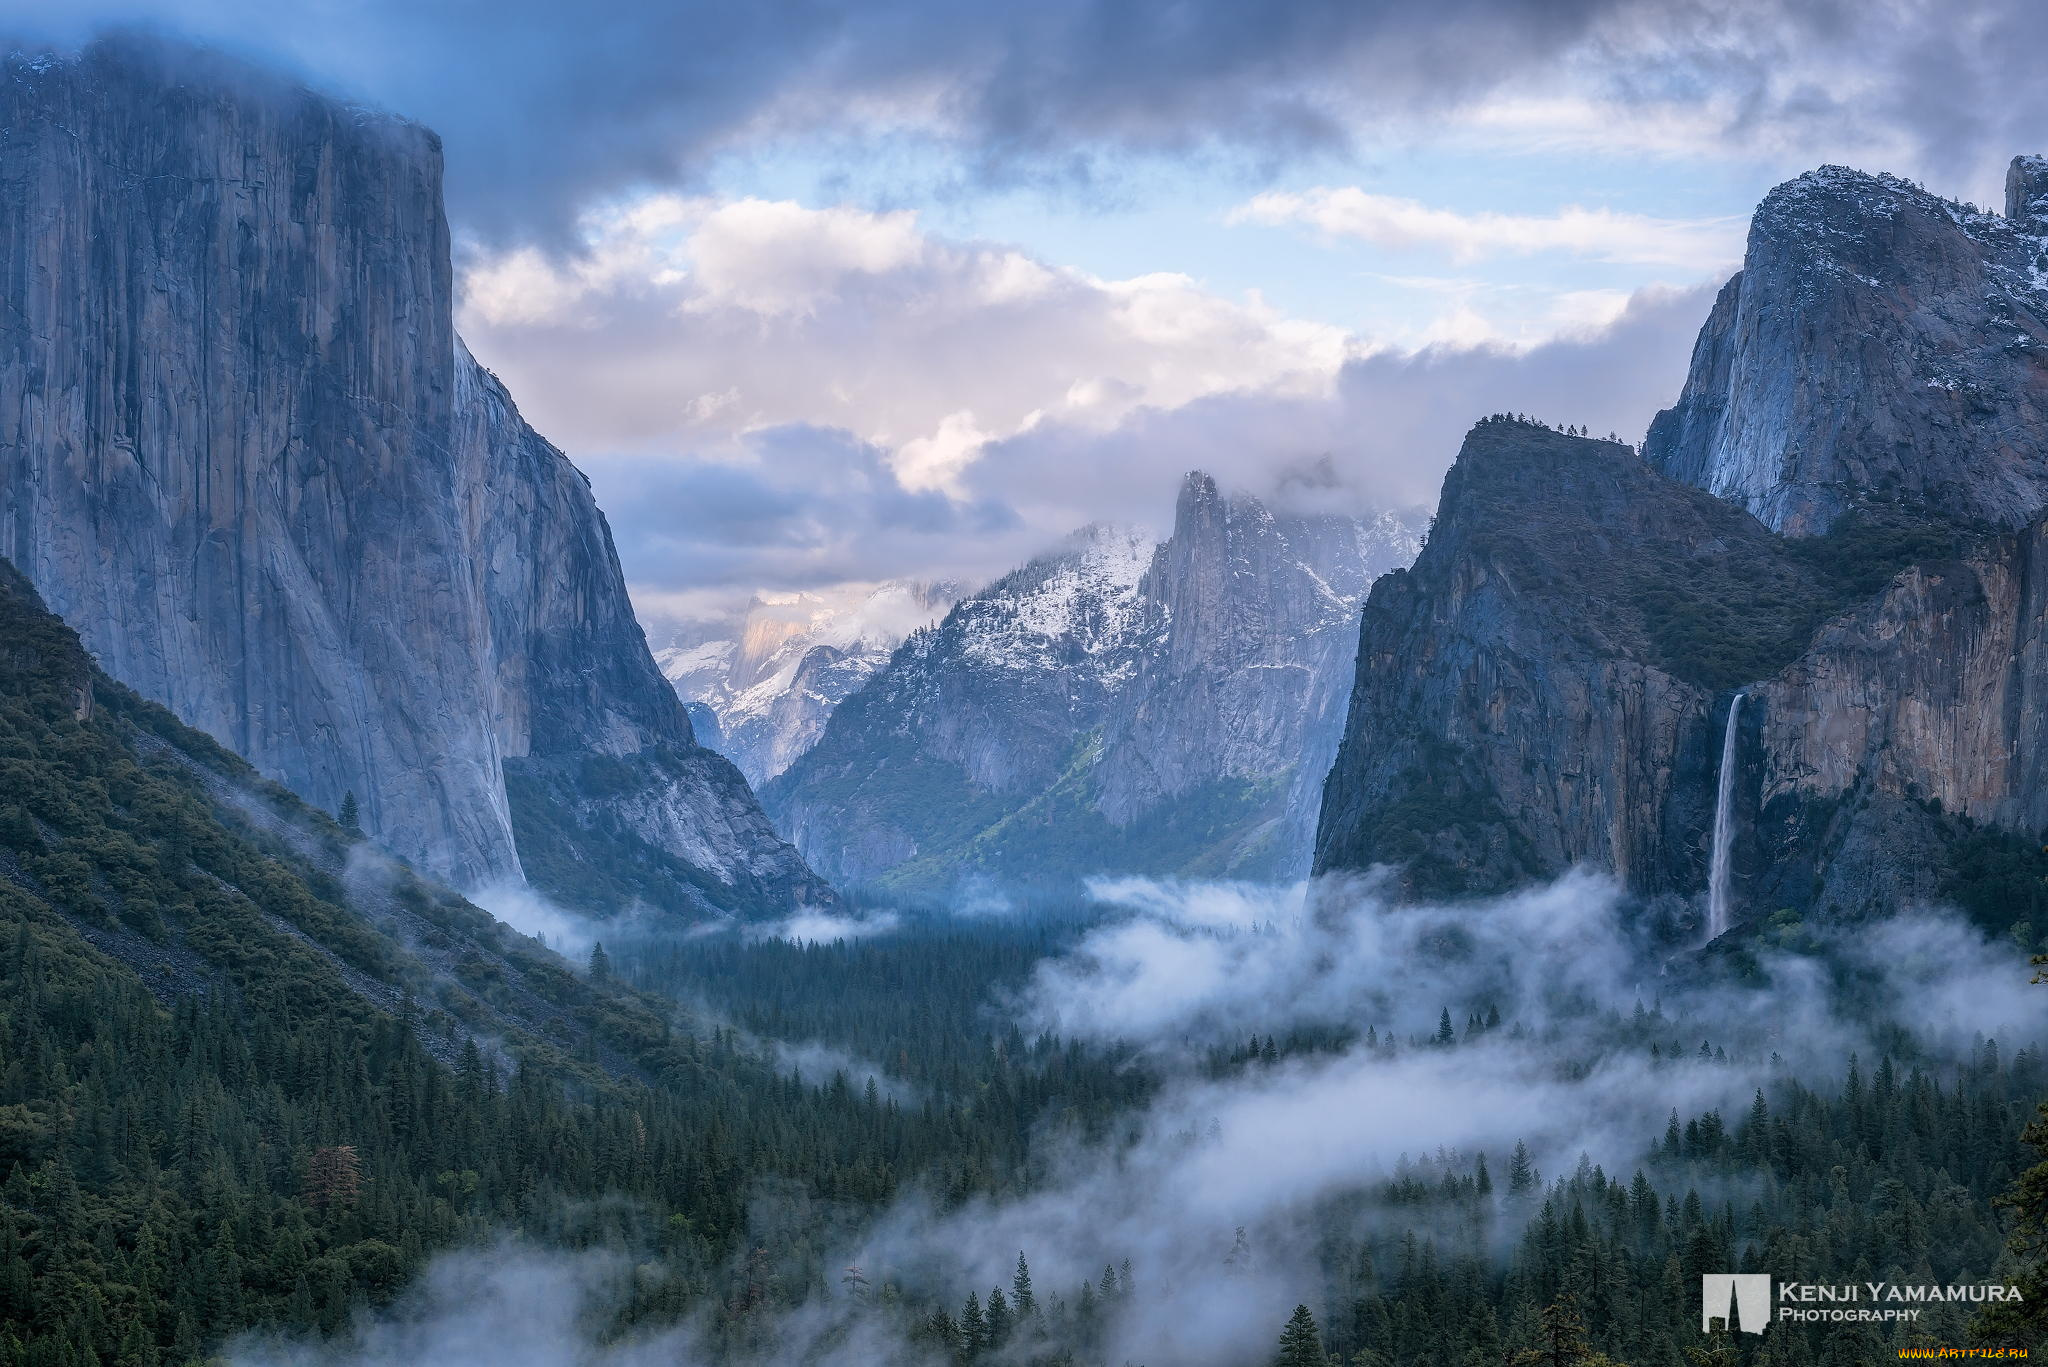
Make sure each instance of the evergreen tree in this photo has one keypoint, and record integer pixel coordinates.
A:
(349, 817)
(1560, 1338)
(1521, 1173)
(974, 1338)
(998, 1317)
(2026, 1204)
(334, 1176)
(1021, 1298)
(1300, 1344)
(1239, 1260)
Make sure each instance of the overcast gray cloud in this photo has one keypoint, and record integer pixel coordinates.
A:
(773, 396)
(805, 506)
(1389, 429)
(546, 106)
(801, 505)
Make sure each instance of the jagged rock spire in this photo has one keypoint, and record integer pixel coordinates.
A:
(2026, 188)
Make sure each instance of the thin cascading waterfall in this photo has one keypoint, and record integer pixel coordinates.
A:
(1721, 856)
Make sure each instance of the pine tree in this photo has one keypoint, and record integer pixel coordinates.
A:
(349, 817)
(600, 964)
(943, 1334)
(1560, 1337)
(2026, 1203)
(973, 1328)
(1239, 1260)
(334, 1176)
(1521, 1173)
(998, 1315)
(1300, 1344)
(1020, 1289)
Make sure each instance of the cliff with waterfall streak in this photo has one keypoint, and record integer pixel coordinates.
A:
(1841, 518)
(1524, 702)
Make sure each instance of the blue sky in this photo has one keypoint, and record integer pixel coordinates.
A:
(1179, 218)
(822, 292)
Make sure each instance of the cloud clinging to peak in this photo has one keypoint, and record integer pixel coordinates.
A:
(772, 396)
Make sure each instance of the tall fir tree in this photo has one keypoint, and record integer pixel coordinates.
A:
(1300, 1344)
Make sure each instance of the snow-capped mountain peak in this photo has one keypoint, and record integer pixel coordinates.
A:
(770, 685)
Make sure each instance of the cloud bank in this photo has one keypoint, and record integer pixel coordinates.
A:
(789, 398)
(549, 108)
(1602, 234)
(1176, 969)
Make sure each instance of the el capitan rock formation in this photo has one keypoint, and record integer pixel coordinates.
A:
(245, 456)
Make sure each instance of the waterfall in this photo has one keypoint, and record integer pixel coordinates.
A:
(1724, 830)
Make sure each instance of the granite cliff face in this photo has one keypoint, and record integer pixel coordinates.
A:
(247, 458)
(1249, 680)
(1549, 685)
(1525, 698)
(1880, 343)
(1114, 706)
(1918, 717)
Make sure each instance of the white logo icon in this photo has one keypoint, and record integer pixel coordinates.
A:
(1750, 1292)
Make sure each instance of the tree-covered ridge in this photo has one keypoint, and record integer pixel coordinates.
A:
(174, 858)
(242, 1088)
(244, 1082)
(1633, 563)
(1889, 1175)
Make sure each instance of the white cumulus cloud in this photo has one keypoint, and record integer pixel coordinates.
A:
(1405, 224)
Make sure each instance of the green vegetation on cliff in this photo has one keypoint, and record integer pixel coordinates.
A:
(252, 1073)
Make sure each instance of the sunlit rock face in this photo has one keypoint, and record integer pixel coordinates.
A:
(245, 455)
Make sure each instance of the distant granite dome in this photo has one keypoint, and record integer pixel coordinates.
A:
(245, 456)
